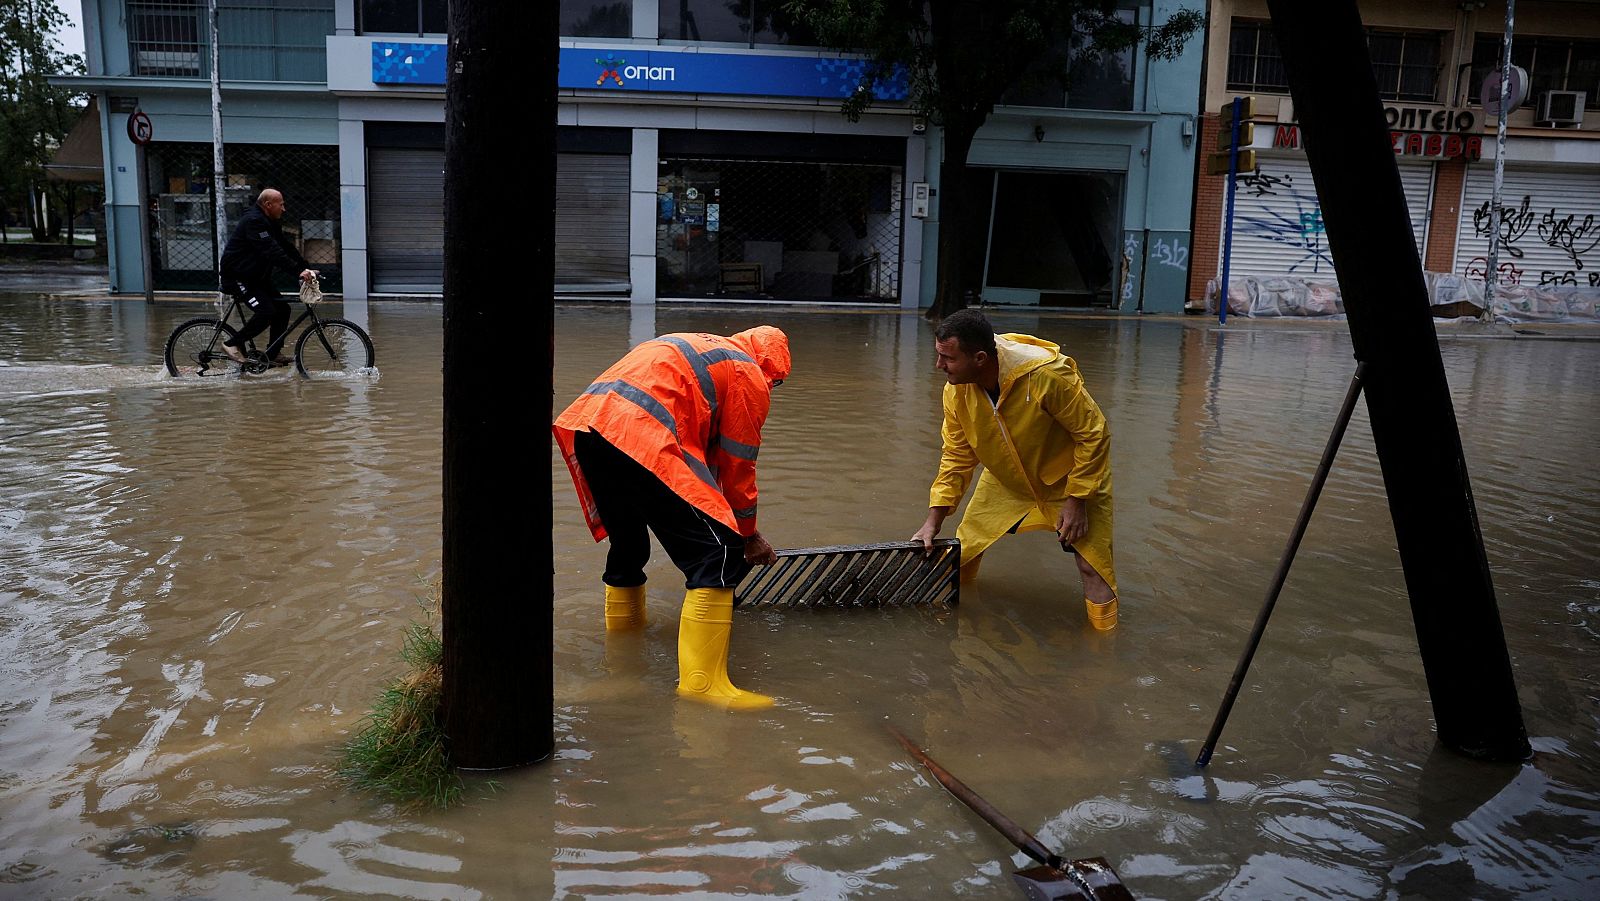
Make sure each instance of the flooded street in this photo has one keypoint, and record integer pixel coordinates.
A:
(203, 587)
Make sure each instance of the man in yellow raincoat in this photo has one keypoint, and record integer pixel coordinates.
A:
(1017, 405)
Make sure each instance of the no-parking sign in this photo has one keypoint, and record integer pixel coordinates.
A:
(139, 128)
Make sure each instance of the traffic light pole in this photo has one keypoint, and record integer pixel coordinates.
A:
(1227, 228)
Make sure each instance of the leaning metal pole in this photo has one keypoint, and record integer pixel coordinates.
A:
(1497, 219)
(1307, 507)
(1459, 634)
(497, 582)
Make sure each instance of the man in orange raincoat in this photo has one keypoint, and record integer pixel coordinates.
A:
(1017, 405)
(666, 441)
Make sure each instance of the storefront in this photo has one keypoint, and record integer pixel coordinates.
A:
(405, 209)
(180, 188)
(778, 216)
(1551, 234)
(1277, 219)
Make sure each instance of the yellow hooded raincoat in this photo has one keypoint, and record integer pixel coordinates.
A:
(1059, 446)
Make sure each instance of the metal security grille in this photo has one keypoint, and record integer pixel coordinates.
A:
(183, 253)
(260, 40)
(784, 229)
(891, 574)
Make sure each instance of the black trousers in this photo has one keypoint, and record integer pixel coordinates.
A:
(268, 311)
(631, 500)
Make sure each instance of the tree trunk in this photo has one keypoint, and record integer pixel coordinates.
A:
(497, 706)
(956, 220)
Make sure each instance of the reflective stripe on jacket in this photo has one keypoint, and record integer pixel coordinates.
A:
(687, 407)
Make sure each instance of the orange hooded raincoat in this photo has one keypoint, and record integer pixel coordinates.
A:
(688, 407)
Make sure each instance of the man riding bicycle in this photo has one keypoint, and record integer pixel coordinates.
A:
(256, 247)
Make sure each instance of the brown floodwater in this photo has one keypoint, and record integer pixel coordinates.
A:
(203, 587)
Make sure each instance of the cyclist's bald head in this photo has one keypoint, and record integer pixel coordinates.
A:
(271, 201)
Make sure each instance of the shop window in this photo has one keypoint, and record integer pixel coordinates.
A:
(418, 17)
(1094, 80)
(1553, 64)
(1405, 63)
(747, 22)
(1254, 64)
(596, 18)
(778, 228)
(182, 207)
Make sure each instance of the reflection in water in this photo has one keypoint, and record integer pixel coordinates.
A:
(203, 585)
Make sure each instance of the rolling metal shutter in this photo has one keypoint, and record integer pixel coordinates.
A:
(1277, 221)
(592, 222)
(1552, 231)
(405, 220)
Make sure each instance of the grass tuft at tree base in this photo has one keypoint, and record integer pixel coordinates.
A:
(400, 752)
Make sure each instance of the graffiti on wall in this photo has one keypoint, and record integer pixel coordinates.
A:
(1301, 230)
(1575, 235)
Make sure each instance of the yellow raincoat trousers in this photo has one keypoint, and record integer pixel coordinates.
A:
(1045, 440)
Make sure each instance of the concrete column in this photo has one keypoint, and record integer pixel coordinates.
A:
(646, 19)
(911, 274)
(353, 215)
(642, 215)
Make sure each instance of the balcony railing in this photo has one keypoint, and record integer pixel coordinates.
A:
(260, 40)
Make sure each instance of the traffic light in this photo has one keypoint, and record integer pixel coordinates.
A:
(1221, 162)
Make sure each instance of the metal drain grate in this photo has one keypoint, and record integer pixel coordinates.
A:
(891, 574)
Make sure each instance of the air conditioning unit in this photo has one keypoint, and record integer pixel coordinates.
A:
(1560, 108)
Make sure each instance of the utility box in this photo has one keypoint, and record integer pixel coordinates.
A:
(919, 199)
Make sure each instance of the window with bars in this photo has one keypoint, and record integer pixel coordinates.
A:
(1254, 63)
(1553, 64)
(259, 40)
(1405, 63)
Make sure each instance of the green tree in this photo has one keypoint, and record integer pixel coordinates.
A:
(962, 56)
(34, 116)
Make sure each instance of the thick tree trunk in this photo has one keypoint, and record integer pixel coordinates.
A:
(1464, 654)
(500, 119)
(956, 221)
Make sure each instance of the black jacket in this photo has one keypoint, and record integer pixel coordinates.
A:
(256, 247)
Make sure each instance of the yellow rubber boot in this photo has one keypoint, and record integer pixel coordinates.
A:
(1102, 616)
(703, 634)
(624, 608)
(969, 569)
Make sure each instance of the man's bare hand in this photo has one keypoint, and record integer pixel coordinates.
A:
(307, 275)
(1073, 523)
(930, 528)
(758, 552)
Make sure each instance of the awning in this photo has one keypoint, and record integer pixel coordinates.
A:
(79, 157)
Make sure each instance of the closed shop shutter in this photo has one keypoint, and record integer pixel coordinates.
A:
(1552, 230)
(405, 221)
(1277, 221)
(591, 222)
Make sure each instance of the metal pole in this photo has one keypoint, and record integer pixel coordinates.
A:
(1299, 532)
(144, 223)
(1227, 226)
(1492, 277)
(217, 179)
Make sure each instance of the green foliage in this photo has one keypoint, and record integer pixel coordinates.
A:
(963, 55)
(400, 753)
(34, 116)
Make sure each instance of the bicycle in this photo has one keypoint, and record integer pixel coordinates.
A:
(328, 346)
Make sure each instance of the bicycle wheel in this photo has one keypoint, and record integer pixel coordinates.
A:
(335, 347)
(195, 349)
